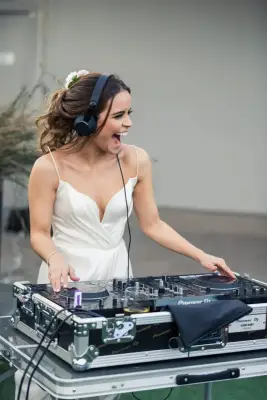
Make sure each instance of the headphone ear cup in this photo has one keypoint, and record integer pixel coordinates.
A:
(83, 127)
(92, 125)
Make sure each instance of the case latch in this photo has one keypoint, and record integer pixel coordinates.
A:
(119, 330)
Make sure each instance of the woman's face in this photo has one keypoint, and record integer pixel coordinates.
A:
(117, 124)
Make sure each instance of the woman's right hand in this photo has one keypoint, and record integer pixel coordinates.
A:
(58, 273)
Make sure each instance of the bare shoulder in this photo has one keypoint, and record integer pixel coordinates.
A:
(44, 172)
(143, 157)
(134, 154)
(143, 161)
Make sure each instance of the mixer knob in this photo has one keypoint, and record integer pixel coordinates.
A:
(161, 283)
(119, 284)
(180, 290)
(156, 292)
(171, 287)
(151, 290)
(166, 284)
(162, 290)
(136, 284)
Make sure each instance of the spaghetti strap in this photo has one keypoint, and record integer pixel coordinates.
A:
(55, 165)
(137, 161)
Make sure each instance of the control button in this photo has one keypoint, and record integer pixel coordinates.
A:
(176, 289)
(255, 290)
(115, 302)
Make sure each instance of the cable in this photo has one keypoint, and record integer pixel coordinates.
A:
(43, 339)
(43, 354)
(36, 350)
(128, 224)
(168, 395)
(45, 349)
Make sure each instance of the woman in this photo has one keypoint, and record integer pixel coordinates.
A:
(77, 188)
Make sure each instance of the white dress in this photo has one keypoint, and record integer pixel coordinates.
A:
(94, 248)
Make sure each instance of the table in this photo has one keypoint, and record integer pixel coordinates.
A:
(58, 378)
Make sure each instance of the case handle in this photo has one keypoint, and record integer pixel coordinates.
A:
(188, 379)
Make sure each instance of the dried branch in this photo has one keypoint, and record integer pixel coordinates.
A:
(18, 134)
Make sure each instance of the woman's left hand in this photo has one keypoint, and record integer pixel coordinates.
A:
(216, 264)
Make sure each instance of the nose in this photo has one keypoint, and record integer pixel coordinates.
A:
(127, 122)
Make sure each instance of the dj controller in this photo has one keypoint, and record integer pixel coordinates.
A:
(107, 323)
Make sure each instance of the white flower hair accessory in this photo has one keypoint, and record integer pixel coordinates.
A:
(73, 77)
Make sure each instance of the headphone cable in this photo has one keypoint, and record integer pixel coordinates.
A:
(128, 223)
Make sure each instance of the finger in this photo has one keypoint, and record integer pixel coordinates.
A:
(213, 268)
(226, 270)
(53, 283)
(64, 278)
(57, 283)
(73, 276)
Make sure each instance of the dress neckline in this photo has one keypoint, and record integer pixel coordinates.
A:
(100, 220)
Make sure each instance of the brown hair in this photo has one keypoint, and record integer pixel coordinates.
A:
(56, 126)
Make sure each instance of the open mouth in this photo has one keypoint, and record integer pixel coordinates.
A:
(117, 136)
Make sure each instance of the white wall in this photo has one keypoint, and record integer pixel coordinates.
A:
(17, 36)
(198, 75)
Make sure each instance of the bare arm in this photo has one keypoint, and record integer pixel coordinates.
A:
(149, 220)
(42, 188)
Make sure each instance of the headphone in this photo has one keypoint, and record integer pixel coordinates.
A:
(85, 125)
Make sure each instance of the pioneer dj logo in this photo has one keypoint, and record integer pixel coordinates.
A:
(185, 303)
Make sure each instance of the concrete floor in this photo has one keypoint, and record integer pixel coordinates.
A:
(239, 239)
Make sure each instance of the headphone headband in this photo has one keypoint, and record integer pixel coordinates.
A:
(99, 86)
